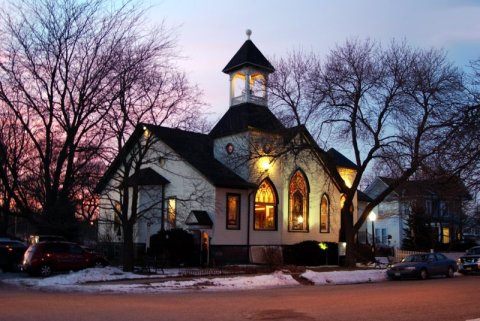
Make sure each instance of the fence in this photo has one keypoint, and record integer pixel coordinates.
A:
(400, 254)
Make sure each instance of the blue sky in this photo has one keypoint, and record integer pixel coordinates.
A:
(211, 31)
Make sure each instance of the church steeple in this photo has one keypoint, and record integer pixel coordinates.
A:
(248, 70)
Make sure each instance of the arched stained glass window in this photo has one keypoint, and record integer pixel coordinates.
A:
(324, 214)
(298, 202)
(265, 207)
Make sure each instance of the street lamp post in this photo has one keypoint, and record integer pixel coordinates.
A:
(372, 216)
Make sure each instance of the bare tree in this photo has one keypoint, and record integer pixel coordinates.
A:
(395, 105)
(75, 78)
(148, 89)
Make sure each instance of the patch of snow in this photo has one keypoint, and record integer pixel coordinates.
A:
(93, 280)
(345, 277)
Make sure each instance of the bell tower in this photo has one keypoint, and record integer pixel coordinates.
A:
(248, 71)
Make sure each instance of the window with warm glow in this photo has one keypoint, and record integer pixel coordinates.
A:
(347, 174)
(342, 201)
(298, 203)
(172, 212)
(238, 85)
(445, 235)
(324, 215)
(265, 207)
(257, 85)
(233, 211)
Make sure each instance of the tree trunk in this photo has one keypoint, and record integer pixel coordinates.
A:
(128, 248)
(349, 236)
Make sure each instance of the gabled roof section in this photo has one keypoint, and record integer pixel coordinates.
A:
(197, 149)
(327, 162)
(362, 197)
(449, 187)
(340, 160)
(248, 55)
(243, 117)
(147, 176)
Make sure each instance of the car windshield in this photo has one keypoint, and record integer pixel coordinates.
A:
(416, 258)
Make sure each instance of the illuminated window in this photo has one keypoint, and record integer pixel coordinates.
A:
(343, 199)
(265, 207)
(172, 212)
(238, 85)
(446, 235)
(298, 203)
(324, 215)
(233, 211)
(257, 85)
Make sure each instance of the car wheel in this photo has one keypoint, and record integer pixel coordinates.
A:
(423, 274)
(450, 272)
(45, 270)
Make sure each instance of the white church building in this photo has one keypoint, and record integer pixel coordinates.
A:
(241, 188)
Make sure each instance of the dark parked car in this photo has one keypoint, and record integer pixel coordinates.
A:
(470, 262)
(46, 257)
(422, 266)
(11, 254)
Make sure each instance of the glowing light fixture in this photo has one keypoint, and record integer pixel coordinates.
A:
(323, 246)
(265, 164)
(300, 219)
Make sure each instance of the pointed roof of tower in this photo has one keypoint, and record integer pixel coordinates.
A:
(248, 54)
(244, 117)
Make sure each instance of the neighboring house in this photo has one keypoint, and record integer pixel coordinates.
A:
(440, 200)
(229, 187)
(363, 200)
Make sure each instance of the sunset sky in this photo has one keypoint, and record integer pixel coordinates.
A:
(211, 31)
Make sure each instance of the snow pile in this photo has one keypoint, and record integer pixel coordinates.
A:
(93, 280)
(209, 284)
(345, 277)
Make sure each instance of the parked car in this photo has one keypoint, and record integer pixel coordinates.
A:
(47, 257)
(422, 266)
(470, 262)
(11, 254)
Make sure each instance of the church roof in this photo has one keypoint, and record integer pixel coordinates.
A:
(248, 55)
(197, 149)
(243, 117)
(340, 160)
(447, 187)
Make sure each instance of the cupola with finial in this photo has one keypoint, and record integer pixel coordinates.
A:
(248, 70)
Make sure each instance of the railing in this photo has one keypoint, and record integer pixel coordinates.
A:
(252, 99)
(400, 254)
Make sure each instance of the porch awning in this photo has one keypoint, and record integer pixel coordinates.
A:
(199, 218)
(147, 176)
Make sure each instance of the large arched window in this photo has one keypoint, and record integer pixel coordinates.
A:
(324, 214)
(298, 202)
(265, 207)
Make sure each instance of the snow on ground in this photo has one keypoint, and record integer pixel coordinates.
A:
(345, 277)
(112, 279)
